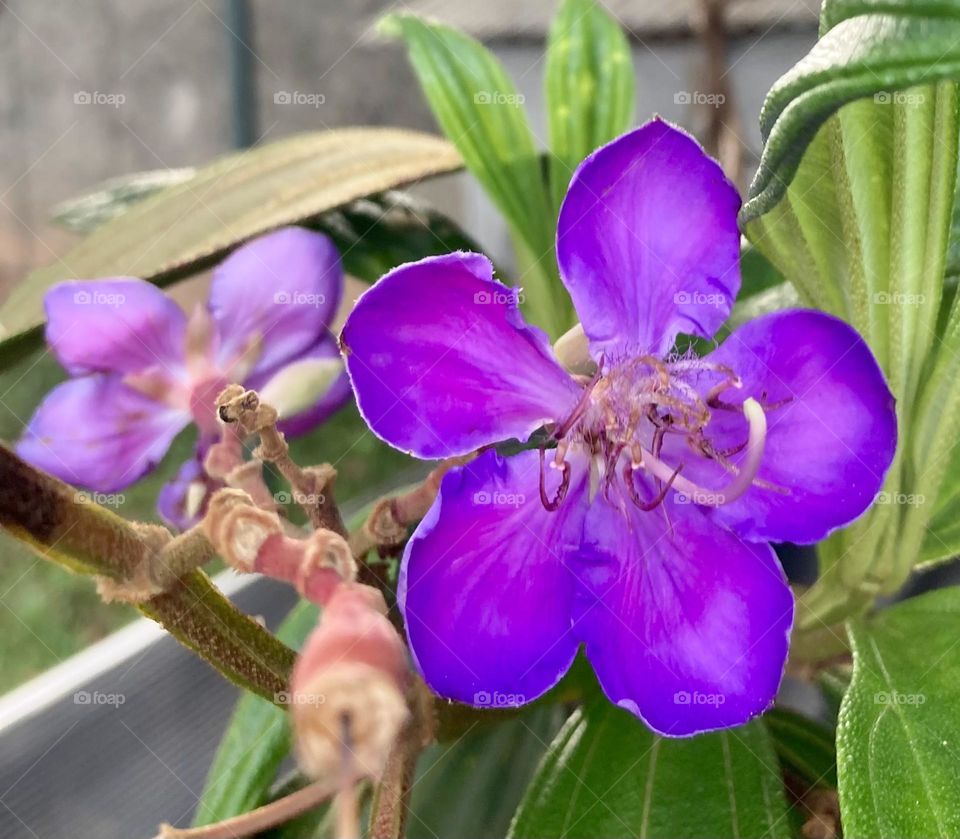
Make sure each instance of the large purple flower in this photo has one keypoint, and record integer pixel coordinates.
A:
(142, 371)
(640, 528)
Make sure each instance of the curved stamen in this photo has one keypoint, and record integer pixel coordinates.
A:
(579, 409)
(756, 441)
(552, 504)
(628, 470)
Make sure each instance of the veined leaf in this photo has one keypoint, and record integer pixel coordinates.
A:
(852, 203)
(804, 746)
(479, 109)
(898, 742)
(589, 85)
(186, 228)
(256, 742)
(472, 786)
(607, 775)
(114, 197)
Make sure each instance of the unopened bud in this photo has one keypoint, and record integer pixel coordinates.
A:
(237, 529)
(349, 686)
(316, 565)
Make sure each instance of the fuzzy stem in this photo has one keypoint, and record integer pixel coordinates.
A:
(313, 486)
(391, 797)
(387, 524)
(144, 565)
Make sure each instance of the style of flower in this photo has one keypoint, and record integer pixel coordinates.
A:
(141, 371)
(639, 525)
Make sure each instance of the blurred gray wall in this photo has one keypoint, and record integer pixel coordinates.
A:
(96, 89)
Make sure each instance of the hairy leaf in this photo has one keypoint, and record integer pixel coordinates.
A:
(898, 742)
(607, 775)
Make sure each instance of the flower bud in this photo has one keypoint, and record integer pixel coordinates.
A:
(349, 687)
(238, 529)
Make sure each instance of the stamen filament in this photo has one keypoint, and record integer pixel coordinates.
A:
(756, 442)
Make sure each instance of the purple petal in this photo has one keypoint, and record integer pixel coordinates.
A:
(182, 501)
(828, 447)
(120, 325)
(647, 242)
(483, 589)
(685, 624)
(282, 290)
(97, 433)
(443, 363)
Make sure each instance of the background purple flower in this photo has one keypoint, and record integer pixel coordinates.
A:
(784, 432)
(142, 371)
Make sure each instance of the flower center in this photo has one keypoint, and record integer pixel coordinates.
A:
(638, 414)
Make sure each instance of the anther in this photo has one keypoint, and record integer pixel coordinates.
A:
(552, 504)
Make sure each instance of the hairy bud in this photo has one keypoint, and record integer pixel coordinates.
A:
(349, 686)
(238, 529)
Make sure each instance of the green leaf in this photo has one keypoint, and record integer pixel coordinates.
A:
(589, 87)
(189, 227)
(898, 742)
(804, 746)
(758, 274)
(256, 742)
(114, 197)
(852, 203)
(607, 775)
(472, 786)
(479, 109)
(376, 234)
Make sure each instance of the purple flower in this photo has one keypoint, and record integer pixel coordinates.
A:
(142, 371)
(640, 528)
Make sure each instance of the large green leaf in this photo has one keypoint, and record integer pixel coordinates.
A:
(607, 775)
(852, 203)
(479, 109)
(471, 786)
(898, 742)
(256, 742)
(589, 85)
(114, 197)
(186, 228)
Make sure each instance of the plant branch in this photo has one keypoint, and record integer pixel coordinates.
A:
(256, 821)
(144, 565)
